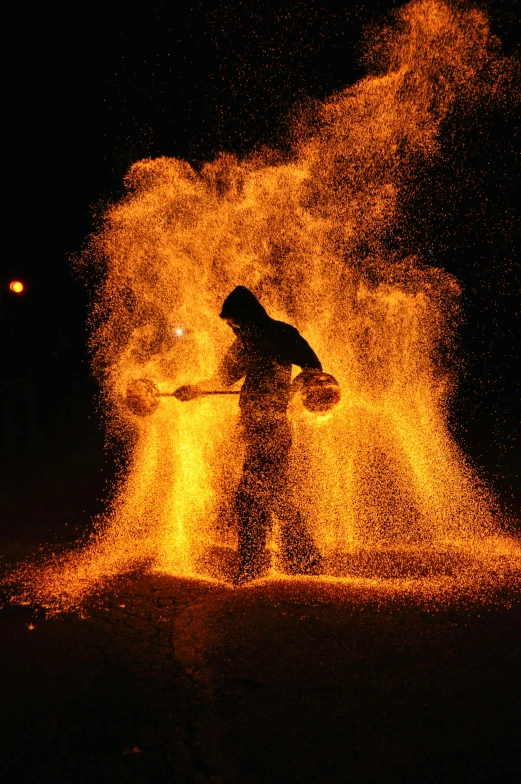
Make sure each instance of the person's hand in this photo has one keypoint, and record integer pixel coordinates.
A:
(187, 392)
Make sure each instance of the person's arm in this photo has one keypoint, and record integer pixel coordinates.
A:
(299, 352)
(233, 366)
(231, 369)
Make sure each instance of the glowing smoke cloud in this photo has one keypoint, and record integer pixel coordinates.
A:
(381, 473)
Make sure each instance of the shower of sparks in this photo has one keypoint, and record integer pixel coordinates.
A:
(388, 496)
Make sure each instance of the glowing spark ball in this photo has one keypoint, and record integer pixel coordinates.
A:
(16, 286)
(387, 496)
(320, 392)
(142, 397)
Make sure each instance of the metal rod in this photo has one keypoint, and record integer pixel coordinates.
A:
(227, 392)
(216, 392)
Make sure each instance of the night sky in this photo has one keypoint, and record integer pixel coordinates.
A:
(90, 89)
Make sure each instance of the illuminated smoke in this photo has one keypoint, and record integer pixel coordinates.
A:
(380, 479)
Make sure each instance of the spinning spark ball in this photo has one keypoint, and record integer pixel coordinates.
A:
(320, 391)
(142, 397)
(388, 497)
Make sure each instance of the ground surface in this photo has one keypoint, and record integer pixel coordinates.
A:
(170, 680)
(166, 680)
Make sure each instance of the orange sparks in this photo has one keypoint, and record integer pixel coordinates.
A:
(389, 499)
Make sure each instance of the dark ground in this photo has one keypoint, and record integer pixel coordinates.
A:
(171, 680)
(179, 681)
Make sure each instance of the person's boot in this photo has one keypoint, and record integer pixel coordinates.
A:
(251, 568)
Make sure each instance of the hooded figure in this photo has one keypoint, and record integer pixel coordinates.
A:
(263, 352)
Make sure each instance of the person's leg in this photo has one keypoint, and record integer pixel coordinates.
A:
(252, 522)
(299, 555)
(250, 504)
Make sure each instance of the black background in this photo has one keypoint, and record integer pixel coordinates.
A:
(90, 89)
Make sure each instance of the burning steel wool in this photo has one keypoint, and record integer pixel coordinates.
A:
(386, 494)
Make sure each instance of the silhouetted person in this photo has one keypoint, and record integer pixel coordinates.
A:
(262, 354)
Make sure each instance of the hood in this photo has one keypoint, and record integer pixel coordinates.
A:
(243, 306)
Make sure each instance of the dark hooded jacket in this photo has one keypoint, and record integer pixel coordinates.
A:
(262, 354)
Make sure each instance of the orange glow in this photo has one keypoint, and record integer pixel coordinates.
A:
(17, 286)
(388, 496)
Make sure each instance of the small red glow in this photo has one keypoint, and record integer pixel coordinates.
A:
(17, 286)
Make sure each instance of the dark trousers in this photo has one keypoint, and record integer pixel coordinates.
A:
(263, 491)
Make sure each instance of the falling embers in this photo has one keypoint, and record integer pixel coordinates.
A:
(389, 498)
